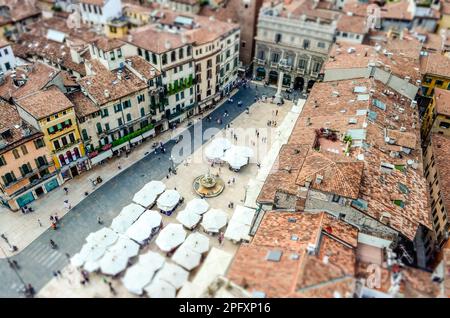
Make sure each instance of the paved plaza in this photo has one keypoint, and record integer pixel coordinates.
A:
(37, 260)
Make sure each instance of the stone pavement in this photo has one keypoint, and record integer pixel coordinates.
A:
(37, 261)
(21, 229)
(69, 285)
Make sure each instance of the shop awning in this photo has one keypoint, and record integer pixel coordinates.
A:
(136, 139)
(148, 133)
(101, 156)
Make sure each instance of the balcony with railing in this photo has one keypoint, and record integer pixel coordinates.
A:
(28, 175)
(68, 146)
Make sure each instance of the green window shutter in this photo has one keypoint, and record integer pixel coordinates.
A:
(21, 171)
(37, 162)
(29, 167)
(5, 182)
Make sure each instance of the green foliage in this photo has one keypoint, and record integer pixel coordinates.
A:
(132, 135)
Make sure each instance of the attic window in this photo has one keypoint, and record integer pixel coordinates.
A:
(399, 203)
(379, 104)
(352, 121)
(274, 256)
(403, 188)
(294, 237)
(292, 220)
(294, 256)
(386, 167)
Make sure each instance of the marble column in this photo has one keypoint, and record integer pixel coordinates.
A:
(278, 96)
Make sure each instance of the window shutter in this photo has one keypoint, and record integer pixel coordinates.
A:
(29, 167)
(37, 163)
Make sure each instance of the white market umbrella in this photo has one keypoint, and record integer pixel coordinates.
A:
(222, 143)
(188, 218)
(112, 264)
(212, 152)
(137, 277)
(92, 251)
(150, 218)
(173, 274)
(125, 246)
(126, 217)
(214, 220)
(160, 289)
(197, 242)
(77, 260)
(91, 266)
(104, 237)
(170, 237)
(152, 260)
(243, 215)
(237, 162)
(186, 258)
(156, 187)
(144, 198)
(237, 231)
(197, 205)
(168, 200)
(142, 229)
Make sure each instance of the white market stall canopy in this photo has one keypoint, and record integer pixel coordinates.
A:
(188, 218)
(173, 274)
(142, 229)
(239, 226)
(168, 200)
(112, 264)
(152, 260)
(103, 237)
(170, 237)
(197, 242)
(197, 205)
(144, 198)
(124, 247)
(214, 220)
(156, 187)
(186, 258)
(137, 277)
(126, 217)
(160, 289)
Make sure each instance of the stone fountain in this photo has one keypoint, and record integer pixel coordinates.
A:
(208, 186)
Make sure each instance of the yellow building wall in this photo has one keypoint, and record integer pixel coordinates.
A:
(429, 83)
(114, 32)
(13, 164)
(49, 138)
(444, 23)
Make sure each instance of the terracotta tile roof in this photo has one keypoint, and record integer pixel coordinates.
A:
(12, 122)
(19, 10)
(352, 24)
(355, 7)
(143, 67)
(95, 85)
(396, 10)
(45, 102)
(435, 64)
(441, 151)
(335, 108)
(84, 106)
(446, 259)
(106, 44)
(229, 12)
(296, 274)
(442, 100)
(38, 76)
(190, 2)
(32, 45)
(310, 10)
(404, 61)
(161, 41)
(340, 175)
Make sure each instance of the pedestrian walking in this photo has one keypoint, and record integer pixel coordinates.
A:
(220, 237)
(67, 204)
(167, 177)
(56, 218)
(99, 220)
(53, 225)
(51, 217)
(66, 190)
(16, 265)
(234, 180)
(39, 221)
(55, 274)
(59, 273)
(67, 255)
(276, 112)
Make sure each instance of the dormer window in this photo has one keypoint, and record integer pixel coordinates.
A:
(112, 56)
(119, 53)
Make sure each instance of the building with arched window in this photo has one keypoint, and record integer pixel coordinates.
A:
(26, 169)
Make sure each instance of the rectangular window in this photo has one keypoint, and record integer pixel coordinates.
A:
(119, 52)
(56, 144)
(107, 126)
(126, 104)
(72, 138)
(128, 117)
(104, 112)
(16, 154)
(141, 98)
(117, 108)
(119, 122)
(64, 141)
(2, 161)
